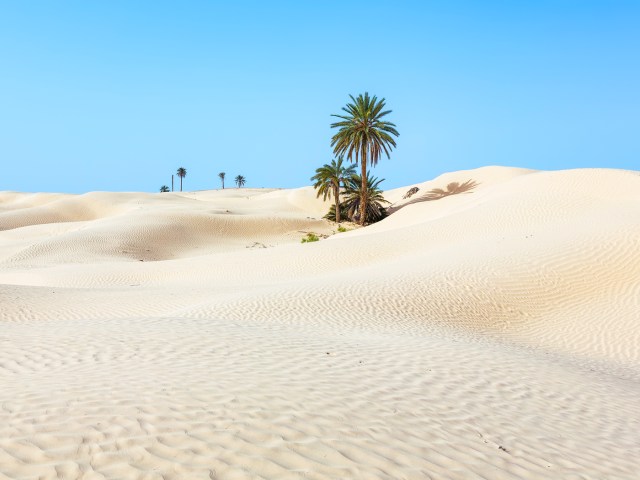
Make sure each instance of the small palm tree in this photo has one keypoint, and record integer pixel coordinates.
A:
(344, 212)
(221, 175)
(363, 135)
(373, 210)
(164, 188)
(182, 172)
(329, 179)
(240, 181)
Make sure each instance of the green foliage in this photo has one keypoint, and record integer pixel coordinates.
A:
(363, 135)
(311, 237)
(350, 206)
(344, 214)
(164, 188)
(329, 179)
(240, 181)
(222, 175)
(374, 210)
(341, 229)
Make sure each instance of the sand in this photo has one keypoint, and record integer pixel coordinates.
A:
(492, 334)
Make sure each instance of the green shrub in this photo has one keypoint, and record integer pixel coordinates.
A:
(311, 237)
(341, 229)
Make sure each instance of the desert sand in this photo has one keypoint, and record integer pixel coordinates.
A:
(492, 334)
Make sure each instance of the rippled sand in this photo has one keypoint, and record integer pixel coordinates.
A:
(489, 334)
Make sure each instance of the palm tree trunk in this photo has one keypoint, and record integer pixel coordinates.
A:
(180, 183)
(336, 194)
(363, 188)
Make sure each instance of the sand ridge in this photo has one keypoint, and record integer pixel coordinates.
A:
(487, 334)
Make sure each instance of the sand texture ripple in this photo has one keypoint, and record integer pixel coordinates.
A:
(492, 333)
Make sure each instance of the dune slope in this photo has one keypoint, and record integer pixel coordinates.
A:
(492, 333)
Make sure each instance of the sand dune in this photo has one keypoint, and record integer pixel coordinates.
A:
(487, 334)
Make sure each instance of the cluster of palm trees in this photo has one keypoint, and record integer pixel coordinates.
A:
(182, 172)
(345, 186)
(362, 136)
(240, 180)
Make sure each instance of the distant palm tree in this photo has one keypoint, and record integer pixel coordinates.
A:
(164, 188)
(240, 181)
(363, 135)
(374, 210)
(221, 175)
(329, 179)
(182, 172)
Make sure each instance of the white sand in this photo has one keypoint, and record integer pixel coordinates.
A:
(487, 335)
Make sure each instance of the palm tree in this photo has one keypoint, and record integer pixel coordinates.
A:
(182, 172)
(164, 188)
(329, 178)
(221, 175)
(363, 135)
(374, 210)
(240, 181)
(344, 213)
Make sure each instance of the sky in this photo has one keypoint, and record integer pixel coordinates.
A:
(116, 95)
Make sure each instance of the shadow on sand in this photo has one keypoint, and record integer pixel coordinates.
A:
(453, 188)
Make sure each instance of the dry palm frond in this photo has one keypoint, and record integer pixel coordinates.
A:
(410, 192)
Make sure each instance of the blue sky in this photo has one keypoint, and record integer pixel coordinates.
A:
(116, 95)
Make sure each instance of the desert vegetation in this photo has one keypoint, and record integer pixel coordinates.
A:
(181, 172)
(330, 179)
(310, 237)
(364, 136)
(350, 207)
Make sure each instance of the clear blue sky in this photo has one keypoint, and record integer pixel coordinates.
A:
(116, 95)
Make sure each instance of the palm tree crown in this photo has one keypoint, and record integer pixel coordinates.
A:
(329, 178)
(164, 188)
(182, 172)
(240, 181)
(221, 175)
(363, 135)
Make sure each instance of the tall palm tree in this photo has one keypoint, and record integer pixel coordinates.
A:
(240, 181)
(221, 175)
(329, 179)
(182, 172)
(363, 135)
(373, 210)
(164, 188)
